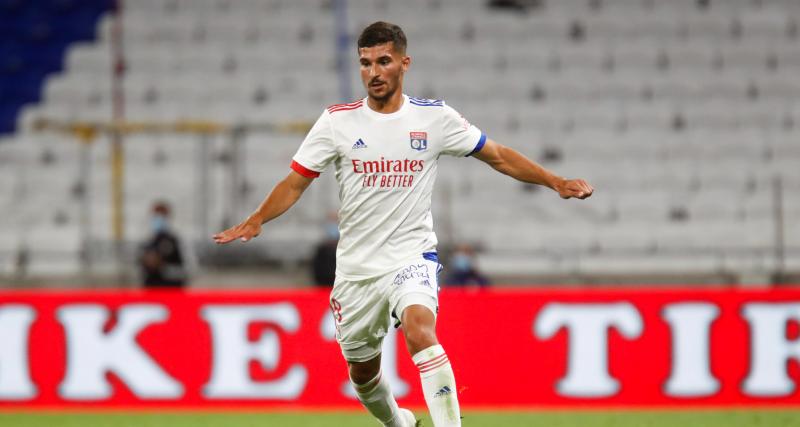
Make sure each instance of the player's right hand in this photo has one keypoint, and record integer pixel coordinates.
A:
(245, 231)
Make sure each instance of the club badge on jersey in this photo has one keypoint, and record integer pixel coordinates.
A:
(419, 141)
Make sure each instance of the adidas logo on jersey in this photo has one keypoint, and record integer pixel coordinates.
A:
(444, 391)
(359, 144)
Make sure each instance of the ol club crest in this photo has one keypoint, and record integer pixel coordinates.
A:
(419, 141)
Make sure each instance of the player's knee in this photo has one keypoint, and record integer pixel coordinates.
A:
(419, 328)
(363, 372)
(361, 376)
(419, 337)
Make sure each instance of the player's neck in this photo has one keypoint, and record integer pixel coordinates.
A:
(386, 106)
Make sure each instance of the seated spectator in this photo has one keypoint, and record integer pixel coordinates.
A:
(323, 263)
(160, 259)
(463, 271)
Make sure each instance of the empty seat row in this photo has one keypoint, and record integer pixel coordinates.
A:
(683, 115)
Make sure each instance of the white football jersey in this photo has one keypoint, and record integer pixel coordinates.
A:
(385, 167)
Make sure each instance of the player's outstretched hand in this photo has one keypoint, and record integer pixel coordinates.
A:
(577, 188)
(245, 231)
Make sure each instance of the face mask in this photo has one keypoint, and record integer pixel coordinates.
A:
(158, 223)
(332, 231)
(461, 262)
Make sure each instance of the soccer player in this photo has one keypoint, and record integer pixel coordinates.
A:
(385, 149)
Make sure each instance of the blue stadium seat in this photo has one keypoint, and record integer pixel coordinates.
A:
(34, 37)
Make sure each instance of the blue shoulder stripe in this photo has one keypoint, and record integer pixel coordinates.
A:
(426, 102)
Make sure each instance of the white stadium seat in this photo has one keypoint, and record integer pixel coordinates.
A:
(679, 115)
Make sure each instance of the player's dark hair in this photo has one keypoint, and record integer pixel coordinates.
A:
(383, 32)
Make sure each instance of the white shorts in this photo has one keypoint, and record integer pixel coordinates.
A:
(362, 310)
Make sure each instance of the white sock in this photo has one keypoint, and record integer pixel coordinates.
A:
(439, 386)
(376, 396)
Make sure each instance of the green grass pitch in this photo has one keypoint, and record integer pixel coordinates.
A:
(565, 418)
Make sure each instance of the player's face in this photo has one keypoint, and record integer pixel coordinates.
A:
(382, 69)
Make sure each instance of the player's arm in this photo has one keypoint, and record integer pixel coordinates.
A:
(282, 197)
(508, 161)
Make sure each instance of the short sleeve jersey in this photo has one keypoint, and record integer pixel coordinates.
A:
(385, 167)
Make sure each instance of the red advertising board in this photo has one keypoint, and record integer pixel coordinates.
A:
(532, 348)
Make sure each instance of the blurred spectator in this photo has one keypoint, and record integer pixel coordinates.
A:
(323, 263)
(463, 271)
(160, 259)
(515, 5)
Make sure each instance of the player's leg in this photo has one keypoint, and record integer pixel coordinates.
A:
(374, 393)
(436, 374)
(361, 373)
(416, 302)
(357, 319)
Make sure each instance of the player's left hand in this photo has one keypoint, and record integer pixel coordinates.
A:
(576, 188)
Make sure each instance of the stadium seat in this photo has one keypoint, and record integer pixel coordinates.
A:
(680, 114)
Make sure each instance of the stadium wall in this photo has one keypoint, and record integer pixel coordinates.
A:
(516, 348)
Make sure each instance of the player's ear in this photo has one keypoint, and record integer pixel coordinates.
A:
(405, 62)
